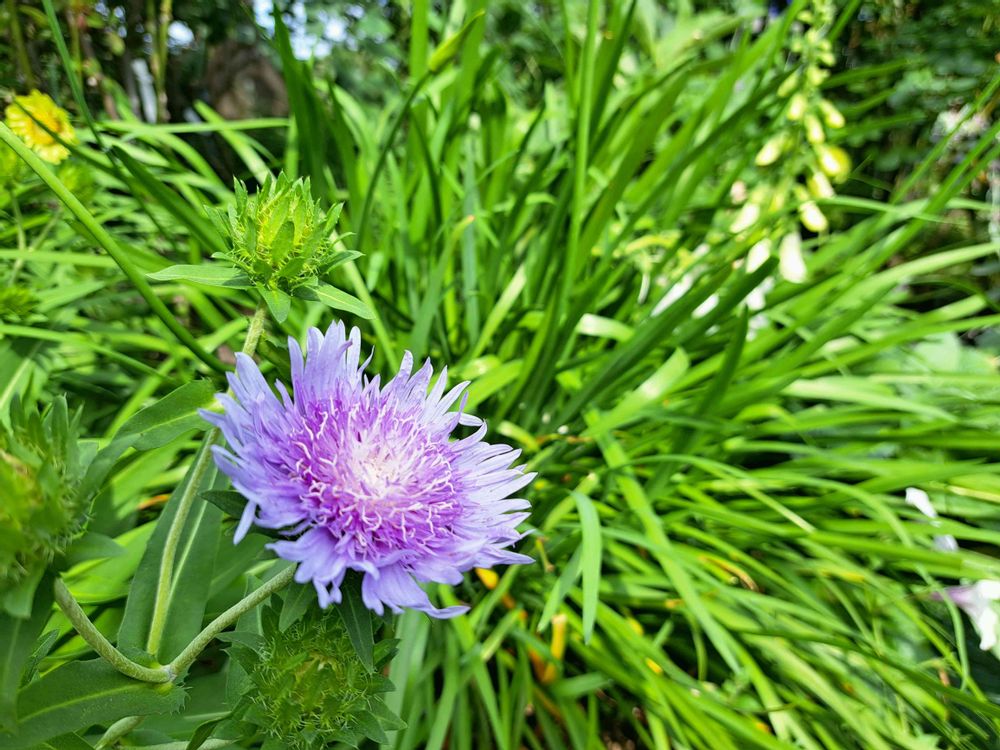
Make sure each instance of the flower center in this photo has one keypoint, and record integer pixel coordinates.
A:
(375, 476)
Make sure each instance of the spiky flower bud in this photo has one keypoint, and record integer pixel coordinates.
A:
(280, 236)
(309, 688)
(39, 475)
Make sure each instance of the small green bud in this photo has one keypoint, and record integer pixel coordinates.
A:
(831, 115)
(39, 475)
(309, 689)
(771, 151)
(814, 129)
(819, 185)
(812, 217)
(834, 161)
(280, 236)
(797, 107)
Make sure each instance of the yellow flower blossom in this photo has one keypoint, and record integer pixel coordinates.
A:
(24, 116)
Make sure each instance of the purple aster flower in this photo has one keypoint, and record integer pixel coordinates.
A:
(365, 477)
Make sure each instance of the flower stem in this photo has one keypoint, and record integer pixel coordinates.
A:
(254, 329)
(102, 645)
(118, 730)
(227, 618)
(163, 584)
(194, 479)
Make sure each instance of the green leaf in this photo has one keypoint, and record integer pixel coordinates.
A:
(152, 427)
(189, 217)
(278, 303)
(17, 640)
(205, 273)
(66, 742)
(80, 694)
(229, 501)
(447, 50)
(92, 546)
(590, 527)
(339, 300)
(17, 601)
(298, 598)
(357, 619)
(192, 579)
(203, 732)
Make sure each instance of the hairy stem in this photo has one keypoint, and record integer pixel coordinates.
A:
(100, 644)
(227, 618)
(194, 479)
(118, 730)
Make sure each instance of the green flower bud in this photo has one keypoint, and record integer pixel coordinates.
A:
(797, 107)
(834, 161)
(789, 85)
(815, 76)
(280, 236)
(812, 217)
(308, 687)
(791, 264)
(39, 475)
(819, 185)
(814, 129)
(771, 151)
(831, 115)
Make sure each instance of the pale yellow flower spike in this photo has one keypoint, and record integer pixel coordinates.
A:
(21, 117)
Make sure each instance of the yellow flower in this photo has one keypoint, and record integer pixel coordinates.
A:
(22, 116)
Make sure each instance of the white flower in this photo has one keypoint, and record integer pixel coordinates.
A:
(791, 264)
(758, 254)
(977, 602)
(922, 502)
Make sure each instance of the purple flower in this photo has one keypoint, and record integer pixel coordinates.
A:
(365, 477)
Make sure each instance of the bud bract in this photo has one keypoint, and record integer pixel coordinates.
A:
(309, 688)
(280, 236)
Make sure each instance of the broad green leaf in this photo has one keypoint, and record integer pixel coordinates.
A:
(357, 618)
(80, 694)
(298, 598)
(17, 640)
(157, 424)
(278, 303)
(340, 300)
(206, 273)
(191, 581)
